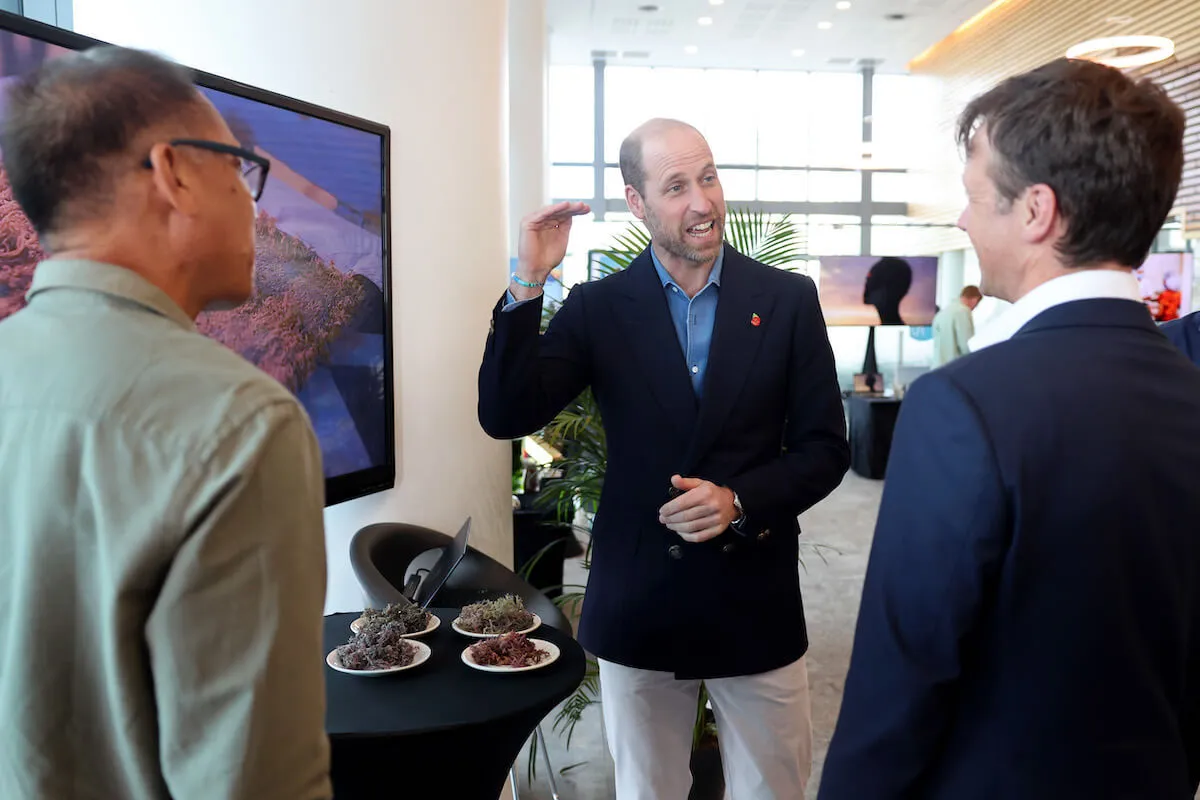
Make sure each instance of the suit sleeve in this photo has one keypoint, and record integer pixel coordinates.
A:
(235, 635)
(527, 378)
(939, 542)
(815, 453)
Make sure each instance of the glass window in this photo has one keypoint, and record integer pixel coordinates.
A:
(572, 113)
(614, 184)
(783, 103)
(905, 115)
(731, 125)
(738, 184)
(891, 187)
(834, 187)
(835, 132)
(572, 183)
(783, 185)
(830, 235)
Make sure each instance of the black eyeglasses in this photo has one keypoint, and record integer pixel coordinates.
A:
(254, 168)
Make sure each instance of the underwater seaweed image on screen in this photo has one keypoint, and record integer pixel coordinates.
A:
(317, 320)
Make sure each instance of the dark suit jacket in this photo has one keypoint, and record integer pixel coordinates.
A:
(1030, 623)
(1184, 333)
(770, 427)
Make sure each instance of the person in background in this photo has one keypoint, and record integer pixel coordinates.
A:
(1184, 333)
(1030, 620)
(953, 327)
(162, 554)
(724, 422)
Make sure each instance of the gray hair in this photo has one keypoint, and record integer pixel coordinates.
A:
(75, 119)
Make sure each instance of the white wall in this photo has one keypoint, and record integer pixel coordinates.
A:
(528, 82)
(434, 72)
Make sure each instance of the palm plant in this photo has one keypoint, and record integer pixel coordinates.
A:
(577, 432)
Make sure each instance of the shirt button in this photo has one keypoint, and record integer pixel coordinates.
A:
(729, 548)
(695, 370)
(675, 551)
(675, 289)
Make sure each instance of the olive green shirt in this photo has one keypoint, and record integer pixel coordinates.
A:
(162, 556)
(952, 329)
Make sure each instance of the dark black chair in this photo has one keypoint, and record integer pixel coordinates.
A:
(385, 555)
(380, 556)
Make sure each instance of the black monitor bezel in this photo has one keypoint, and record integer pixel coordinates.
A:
(340, 488)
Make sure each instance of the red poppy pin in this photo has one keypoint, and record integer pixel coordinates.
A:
(755, 320)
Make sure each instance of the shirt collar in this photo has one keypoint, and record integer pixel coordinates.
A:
(714, 277)
(1084, 284)
(108, 279)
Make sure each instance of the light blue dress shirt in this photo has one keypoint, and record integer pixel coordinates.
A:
(693, 318)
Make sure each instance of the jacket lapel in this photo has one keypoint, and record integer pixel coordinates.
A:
(654, 345)
(735, 343)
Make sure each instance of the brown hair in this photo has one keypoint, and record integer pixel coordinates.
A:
(1110, 147)
(971, 293)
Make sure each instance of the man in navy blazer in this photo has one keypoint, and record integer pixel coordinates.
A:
(1030, 621)
(1184, 333)
(716, 382)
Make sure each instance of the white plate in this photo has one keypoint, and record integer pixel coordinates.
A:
(419, 658)
(537, 621)
(432, 625)
(541, 644)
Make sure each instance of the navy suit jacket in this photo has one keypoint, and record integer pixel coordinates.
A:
(1030, 622)
(770, 426)
(1184, 333)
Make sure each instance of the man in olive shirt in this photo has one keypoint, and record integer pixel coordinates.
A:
(953, 327)
(162, 562)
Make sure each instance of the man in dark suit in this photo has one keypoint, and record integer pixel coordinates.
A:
(1184, 333)
(1030, 622)
(716, 383)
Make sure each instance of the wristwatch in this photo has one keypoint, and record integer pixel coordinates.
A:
(741, 513)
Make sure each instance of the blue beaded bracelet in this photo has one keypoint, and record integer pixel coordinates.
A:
(527, 284)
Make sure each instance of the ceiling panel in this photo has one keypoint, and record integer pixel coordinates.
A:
(753, 34)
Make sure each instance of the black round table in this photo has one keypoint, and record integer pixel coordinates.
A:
(441, 724)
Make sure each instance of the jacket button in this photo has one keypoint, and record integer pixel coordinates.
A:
(729, 548)
(675, 551)
(764, 534)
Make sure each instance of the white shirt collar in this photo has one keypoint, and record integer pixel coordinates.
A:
(1086, 284)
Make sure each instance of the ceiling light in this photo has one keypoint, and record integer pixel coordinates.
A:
(705, 20)
(1124, 52)
(824, 25)
(843, 6)
(691, 49)
(797, 53)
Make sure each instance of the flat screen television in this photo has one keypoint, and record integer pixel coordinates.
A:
(1166, 283)
(878, 290)
(320, 318)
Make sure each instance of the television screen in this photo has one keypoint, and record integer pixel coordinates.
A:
(875, 290)
(320, 318)
(1166, 283)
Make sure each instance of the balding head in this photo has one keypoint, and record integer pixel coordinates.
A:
(632, 161)
(79, 122)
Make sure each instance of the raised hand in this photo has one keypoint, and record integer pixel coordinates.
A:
(543, 243)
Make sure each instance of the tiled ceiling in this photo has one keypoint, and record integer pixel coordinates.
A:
(752, 34)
